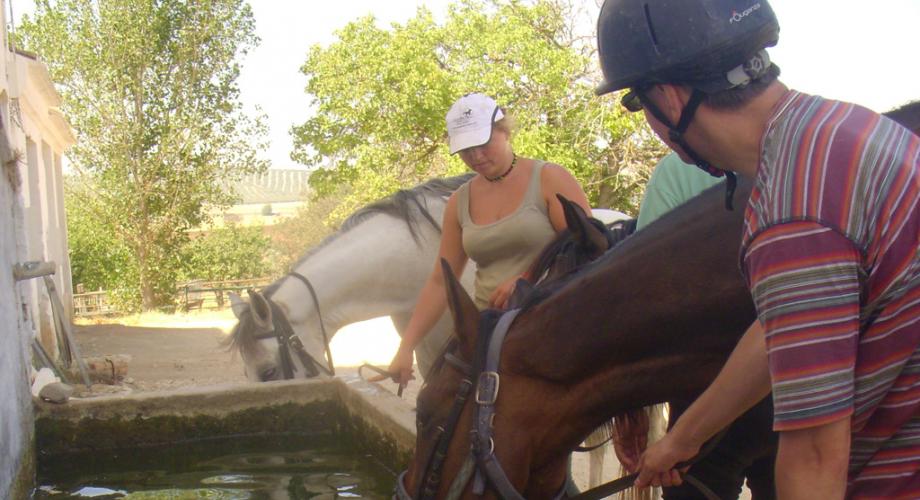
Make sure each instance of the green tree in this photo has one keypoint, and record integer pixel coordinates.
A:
(227, 253)
(98, 259)
(150, 86)
(293, 236)
(381, 94)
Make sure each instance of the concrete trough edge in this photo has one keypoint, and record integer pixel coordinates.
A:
(210, 400)
(378, 421)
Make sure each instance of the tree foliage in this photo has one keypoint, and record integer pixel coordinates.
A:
(98, 259)
(380, 96)
(227, 253)
(305, 229)
(150, 86)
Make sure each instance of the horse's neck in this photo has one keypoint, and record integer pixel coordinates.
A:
(374, 269)
(654, 319)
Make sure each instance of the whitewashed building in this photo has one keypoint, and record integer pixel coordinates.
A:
(33, 137)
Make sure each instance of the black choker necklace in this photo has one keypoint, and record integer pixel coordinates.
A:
(510, 168)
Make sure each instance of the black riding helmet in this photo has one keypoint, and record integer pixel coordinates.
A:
(708, 45)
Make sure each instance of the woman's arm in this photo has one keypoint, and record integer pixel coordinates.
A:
(432, 300)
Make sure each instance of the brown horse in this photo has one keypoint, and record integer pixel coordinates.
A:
(652, 320)
(907, 115)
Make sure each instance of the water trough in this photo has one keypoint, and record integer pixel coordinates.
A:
(346, 411)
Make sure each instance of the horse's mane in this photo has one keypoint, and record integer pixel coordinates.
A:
(615, 234)
(235, 340)
(407, 205)
(907, 115)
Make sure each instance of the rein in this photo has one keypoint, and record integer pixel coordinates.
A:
(288, 341)
(482, 464)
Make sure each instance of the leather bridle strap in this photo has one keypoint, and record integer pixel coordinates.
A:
(330, 370)
(486, 395)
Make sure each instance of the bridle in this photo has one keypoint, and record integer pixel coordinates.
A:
(482, 465)
(289, 342)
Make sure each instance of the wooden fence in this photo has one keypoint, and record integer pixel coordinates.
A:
(200, 294)
(197, 294)
(89, 304)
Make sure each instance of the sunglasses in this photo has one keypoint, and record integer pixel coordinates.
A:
(631, 100)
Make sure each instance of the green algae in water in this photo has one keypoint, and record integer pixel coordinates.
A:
(275, 467)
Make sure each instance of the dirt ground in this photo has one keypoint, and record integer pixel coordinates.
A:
(173, 351)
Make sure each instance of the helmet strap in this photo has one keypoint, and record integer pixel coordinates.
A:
(676, 135)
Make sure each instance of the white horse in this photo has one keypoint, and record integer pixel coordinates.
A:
(375, 265)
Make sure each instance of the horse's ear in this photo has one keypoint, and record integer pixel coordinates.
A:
(522, 289)
(261, 311)
(237, 305)
(587, 235)
(462, 308)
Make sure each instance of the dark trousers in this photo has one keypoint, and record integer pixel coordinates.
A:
(748, 450)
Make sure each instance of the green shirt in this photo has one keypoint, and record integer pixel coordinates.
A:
(672, 183)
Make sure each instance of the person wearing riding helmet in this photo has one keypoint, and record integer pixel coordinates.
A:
(829, 248)
(748, 449)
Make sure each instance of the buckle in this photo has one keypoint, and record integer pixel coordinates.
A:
(487, 388)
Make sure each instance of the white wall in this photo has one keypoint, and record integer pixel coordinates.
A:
(15, 402)
(32, 227)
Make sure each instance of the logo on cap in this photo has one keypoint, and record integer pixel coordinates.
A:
(737, 17)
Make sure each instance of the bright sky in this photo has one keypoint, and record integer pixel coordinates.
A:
(854, 50)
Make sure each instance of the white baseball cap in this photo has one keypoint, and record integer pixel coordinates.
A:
(470, 119)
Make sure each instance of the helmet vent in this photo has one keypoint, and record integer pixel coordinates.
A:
(651, 27)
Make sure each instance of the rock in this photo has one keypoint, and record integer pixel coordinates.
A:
(42, 378)
(56, 392)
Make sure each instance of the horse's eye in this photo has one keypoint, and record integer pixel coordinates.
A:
(268, 374)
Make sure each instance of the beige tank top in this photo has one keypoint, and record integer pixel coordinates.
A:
(508, 246)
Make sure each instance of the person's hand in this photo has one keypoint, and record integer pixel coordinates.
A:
(499, 298)
(630, 437)
(401, 367)
(656, 465)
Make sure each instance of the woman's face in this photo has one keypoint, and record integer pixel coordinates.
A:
(490, 159)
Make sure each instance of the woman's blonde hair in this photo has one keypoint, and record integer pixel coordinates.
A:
(506, 124)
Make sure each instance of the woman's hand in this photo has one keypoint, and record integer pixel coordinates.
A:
(401, 367)
(502, 293)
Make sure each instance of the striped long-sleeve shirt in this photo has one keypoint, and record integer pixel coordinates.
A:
(831, 252)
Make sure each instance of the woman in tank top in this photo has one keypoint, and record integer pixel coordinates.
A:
(501, 218)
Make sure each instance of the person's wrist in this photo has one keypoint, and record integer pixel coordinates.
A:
(684, 437)
(405, 346)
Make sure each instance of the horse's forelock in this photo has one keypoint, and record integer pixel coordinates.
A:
(240, 336)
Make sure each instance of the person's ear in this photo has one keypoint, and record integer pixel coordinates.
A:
(672, 99)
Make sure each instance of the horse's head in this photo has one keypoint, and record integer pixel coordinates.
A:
(446, 411)
(252, 337)
(268, 344)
